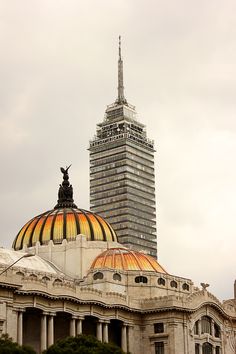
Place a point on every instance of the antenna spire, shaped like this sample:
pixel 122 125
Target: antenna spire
pixel 119 47
pixel 121 97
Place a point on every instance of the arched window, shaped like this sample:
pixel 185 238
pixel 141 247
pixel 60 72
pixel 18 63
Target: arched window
pixel 98 275
pixel 161 281
pixel 117 276
pixel 185 286
pixel 206 324
pixel 173 284
pixel 141 279
pixel 207 348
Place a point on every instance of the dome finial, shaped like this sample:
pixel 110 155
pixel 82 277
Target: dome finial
pixel 65 193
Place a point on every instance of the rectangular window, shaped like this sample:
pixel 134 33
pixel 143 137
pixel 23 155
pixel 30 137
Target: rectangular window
pixel 217 350
pixel 196 328
pixel 216 330
pixel 197 348
pixel 159 347
pixel 159 327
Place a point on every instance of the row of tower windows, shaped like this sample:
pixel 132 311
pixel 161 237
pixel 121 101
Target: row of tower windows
pixel 123 197
pixel 142 279
pixel 123 179
pixel 123 190
pixel 99 156
pixel 140 152
pixel 103 160
pixel 108 177
pixel 133 153
pixel 139 168
pixel 94 182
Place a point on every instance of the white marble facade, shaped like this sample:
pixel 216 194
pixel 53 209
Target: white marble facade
pixel 55 293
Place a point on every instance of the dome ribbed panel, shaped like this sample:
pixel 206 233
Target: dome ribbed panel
pixel 58 228
pixel 84 226
pixel 132 261
pixel 97 263
pixel 124 259
pixel 58 224
pixel 27 236
pixel 155 264
pixel 18 240
pixel 71 226
pixel 37 230
pixel 46 229
pixel 97 229
pixel 118 262
pixel 42 239
pixel 107 229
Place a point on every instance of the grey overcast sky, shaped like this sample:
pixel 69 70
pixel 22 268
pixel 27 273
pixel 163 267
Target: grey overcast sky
pixel 58 71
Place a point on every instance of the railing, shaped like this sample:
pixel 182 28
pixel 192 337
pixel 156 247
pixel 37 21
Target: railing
pixel 144 141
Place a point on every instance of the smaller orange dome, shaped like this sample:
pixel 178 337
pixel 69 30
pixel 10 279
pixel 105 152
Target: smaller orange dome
pixel 125 259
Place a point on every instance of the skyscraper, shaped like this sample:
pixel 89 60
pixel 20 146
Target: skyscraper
pixel 122 180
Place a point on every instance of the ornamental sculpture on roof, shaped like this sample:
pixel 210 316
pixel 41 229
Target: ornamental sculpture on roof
pixel 65 192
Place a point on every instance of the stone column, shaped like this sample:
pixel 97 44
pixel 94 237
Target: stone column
pixel 72 326
pixel 124 337
pixel 50 330
pixel 213 350
pixel 200 326
pixel 43 332
pixel 20 328
pixel 130 339
pixel 99 330
pixel 79 325
pixel 200 348
pixel 105 332
pixel 212 328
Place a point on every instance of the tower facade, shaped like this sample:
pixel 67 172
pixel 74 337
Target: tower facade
pixel 122 180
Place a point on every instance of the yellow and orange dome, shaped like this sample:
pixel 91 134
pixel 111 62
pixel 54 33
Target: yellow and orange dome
pixel 125 259
pixel 63 223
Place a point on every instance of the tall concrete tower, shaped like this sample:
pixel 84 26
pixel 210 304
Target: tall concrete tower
pixel 122 180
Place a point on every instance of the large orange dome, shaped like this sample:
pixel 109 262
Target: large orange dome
pixel 63 223
pixel 125 259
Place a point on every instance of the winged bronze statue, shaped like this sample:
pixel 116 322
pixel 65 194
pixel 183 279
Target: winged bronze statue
pixel 65 171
